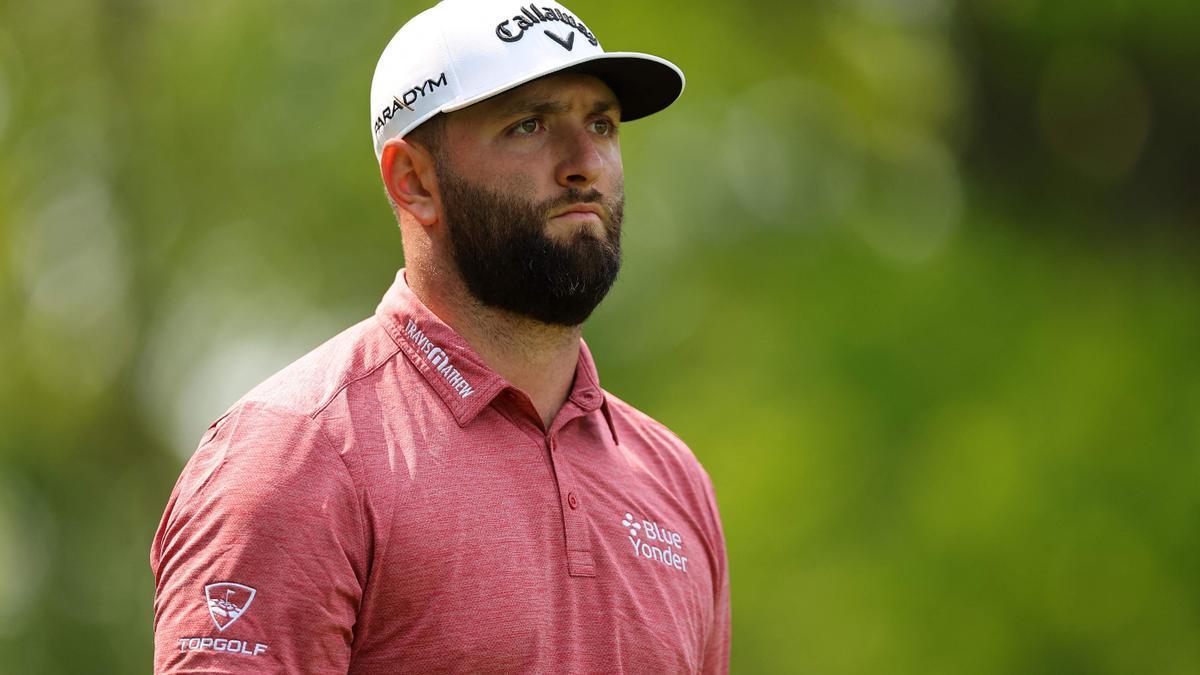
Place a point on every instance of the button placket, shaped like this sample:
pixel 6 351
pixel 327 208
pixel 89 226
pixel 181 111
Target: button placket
pixel 580 561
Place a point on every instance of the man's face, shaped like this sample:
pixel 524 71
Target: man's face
pixel 532 197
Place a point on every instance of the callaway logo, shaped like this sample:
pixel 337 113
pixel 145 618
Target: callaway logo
pixel 665 542
pixel 439 358
pixel 531 16
pixel 407 99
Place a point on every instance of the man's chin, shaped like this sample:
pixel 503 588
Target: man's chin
pixel 560 314
pixel 564 293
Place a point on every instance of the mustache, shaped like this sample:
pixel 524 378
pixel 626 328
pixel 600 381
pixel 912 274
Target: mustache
pixel 572 196
pixel 612 204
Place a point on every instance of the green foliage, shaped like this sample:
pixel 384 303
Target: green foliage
pixel 916 281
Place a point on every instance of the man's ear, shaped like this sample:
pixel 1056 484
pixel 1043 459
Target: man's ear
pixel 409 176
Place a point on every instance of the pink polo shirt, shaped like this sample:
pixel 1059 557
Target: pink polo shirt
pixel 389 504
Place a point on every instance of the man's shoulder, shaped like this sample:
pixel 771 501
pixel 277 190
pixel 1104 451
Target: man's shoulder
pixel 667 456
pixel 635 426
pixel 308 384
pixel 631 415
pixel 278 422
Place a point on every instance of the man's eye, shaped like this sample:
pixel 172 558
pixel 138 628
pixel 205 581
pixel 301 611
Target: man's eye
pixel 604 127
pixel 526 127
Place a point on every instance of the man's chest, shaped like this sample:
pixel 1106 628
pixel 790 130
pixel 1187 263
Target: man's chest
pixel 510 554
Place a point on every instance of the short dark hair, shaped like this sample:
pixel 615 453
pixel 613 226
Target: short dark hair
pixel 431 135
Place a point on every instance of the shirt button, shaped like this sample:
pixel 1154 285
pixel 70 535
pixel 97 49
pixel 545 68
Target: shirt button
pixel 572 501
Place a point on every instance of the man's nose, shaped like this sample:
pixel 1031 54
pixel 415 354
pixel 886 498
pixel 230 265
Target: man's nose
pixel 582 164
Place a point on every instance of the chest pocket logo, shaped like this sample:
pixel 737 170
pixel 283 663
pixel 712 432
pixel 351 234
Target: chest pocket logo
pixel 655 543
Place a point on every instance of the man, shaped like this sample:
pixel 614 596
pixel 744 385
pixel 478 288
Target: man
pixel 445 487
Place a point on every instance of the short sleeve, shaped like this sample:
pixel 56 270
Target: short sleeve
pixel 259 560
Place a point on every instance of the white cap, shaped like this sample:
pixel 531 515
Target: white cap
pixel 460 52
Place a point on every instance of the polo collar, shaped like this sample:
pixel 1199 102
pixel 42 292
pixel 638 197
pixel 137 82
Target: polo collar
pixel 586 392
pixel 455 371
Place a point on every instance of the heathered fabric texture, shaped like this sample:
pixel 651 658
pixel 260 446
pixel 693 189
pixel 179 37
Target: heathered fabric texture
pixel 397 507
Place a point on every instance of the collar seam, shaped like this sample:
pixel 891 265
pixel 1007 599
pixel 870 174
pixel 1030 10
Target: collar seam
pixel 370 371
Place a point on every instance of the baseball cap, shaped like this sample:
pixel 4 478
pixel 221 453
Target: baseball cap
pixel 460 52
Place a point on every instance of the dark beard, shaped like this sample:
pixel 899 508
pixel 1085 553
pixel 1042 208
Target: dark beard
pixel 508 262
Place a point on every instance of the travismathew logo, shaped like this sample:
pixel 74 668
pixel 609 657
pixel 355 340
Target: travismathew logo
pixel 532 15
pixel 655 542
pixel 406 100
pixel 439 358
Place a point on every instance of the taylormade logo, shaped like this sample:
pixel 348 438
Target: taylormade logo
pixel 406 100
pixel 439 359
pixel 655 542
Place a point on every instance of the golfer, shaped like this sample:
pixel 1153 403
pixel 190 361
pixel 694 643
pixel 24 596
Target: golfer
pixel 445 486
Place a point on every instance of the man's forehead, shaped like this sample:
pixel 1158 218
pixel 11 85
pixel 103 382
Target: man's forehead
pixel 558 92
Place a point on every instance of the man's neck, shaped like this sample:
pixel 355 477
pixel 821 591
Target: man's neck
pixel 537 358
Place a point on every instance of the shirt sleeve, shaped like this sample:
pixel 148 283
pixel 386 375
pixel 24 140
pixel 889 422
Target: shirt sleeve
pixel 259 560
pixel 716 651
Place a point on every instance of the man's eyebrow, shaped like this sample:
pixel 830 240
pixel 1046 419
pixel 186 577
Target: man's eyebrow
pixel 605 105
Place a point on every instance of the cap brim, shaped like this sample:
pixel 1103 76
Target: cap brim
pixel 644 84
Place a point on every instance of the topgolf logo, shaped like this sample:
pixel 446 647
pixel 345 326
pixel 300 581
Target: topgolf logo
pixel 227 602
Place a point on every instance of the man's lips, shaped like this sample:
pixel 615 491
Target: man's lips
pixel 581 210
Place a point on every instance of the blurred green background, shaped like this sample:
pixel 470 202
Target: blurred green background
pixel 916 279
